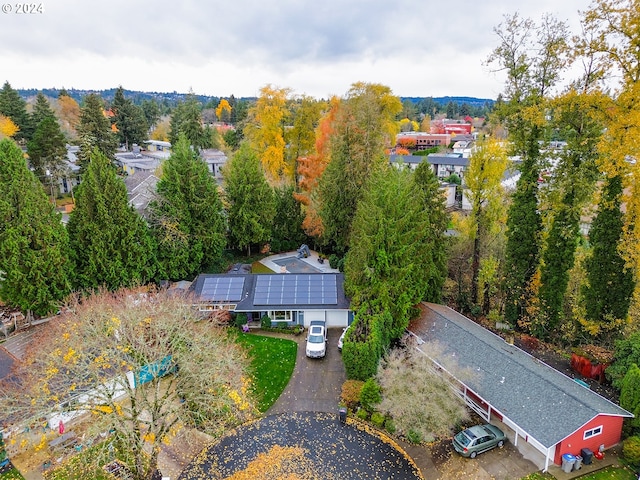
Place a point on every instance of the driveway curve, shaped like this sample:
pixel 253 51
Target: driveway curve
pixel 305 445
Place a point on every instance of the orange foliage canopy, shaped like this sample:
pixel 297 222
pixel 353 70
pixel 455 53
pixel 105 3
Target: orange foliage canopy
pixel 310 170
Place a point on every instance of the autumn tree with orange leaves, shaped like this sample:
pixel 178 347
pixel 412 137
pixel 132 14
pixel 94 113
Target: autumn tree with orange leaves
pixel 310 169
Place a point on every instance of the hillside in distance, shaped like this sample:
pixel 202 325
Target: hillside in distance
pixel 172 98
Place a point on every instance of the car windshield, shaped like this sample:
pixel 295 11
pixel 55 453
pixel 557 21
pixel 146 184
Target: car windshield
pixel 316 339
pixel 464 438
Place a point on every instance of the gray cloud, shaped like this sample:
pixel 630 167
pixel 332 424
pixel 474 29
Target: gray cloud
pixel 278 35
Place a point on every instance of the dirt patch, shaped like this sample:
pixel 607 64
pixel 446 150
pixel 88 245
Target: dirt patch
pixel 440 452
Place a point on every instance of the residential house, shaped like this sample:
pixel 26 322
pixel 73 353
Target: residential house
pixel 141 189
pixel 294 298
pixel 544 413
pixel 215 160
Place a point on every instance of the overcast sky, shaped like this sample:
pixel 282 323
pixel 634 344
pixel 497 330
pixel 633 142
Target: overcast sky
pixel 320 47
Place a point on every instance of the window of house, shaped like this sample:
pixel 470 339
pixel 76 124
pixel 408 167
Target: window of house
pixel 280 315
pixel 592 432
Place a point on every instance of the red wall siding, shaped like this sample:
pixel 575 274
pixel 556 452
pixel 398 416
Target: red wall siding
pixel 610 436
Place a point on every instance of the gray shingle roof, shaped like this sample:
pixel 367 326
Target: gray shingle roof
pixel 545 403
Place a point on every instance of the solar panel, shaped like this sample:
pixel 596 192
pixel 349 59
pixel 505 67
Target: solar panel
pixel 220 289
pixel 295 289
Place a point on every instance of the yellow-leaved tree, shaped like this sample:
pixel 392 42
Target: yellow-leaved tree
pixel 140 365
pixel 265 133
pixel 7 127
pixel 223 110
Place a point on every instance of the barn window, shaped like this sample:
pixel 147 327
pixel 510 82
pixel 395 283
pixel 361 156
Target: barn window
pixel 592 432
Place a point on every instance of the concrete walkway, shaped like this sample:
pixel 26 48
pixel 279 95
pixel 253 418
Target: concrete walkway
pixel 311 261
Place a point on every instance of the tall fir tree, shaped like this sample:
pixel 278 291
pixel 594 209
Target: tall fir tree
pixel 47 151
pixel 251 206
pixel 41 110
pixel 390 264
pixel 13 106
pixel 287 231
pixel 430 197
pixel 188 217
pixel 187 119
pixel 129 120
pixel 528 85
pixel 94 131
pixel 34 246
pixel 571 186
pixel 111 243
pixel 610 283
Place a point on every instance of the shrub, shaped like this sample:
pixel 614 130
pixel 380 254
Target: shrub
pixel 362 355
pixel 281 325
pixel 350 395
pixel 631 450
pixel 241 319
pixel 362 414
pixel 370 394
pixel 336 261
pixel 389 426
pixel 414 437
pixel 377 419
pixel 265 321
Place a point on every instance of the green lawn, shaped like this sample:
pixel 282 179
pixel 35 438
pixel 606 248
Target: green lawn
pixel 272 362
pixel 12 474
pixel 609 473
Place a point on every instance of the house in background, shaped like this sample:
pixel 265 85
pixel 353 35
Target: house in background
pixel 294 298
pixel 141 189
pixel 215 160
pixel 544 413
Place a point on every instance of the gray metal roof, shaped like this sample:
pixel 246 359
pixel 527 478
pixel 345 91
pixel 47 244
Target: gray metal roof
pixel 545 403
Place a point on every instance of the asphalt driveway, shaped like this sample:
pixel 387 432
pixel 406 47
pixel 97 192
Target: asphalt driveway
pixel 316 382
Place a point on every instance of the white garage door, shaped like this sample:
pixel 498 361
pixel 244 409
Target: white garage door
pixel 337 318
pixel 310 315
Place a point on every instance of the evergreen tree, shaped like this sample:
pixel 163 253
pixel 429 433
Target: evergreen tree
pixel 111 243
pixel 129 120
pixel 630 396
pixel 14 107
pixel 47 151
pixel 610 284
pixel 41 110
pixel 151 112
pixel 287 231
pixel 392 260
pixel 189 224
pixel 187 119
pixel 430 197
pixel 94 131
pixel 364 126
pixel 34 247
pixel 529 80
pixel 251 206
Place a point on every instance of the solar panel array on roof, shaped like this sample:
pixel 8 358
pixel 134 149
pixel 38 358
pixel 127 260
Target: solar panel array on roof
pixel 220 289
pixel 291 289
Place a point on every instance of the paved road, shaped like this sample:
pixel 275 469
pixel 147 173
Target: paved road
pixel 316 383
